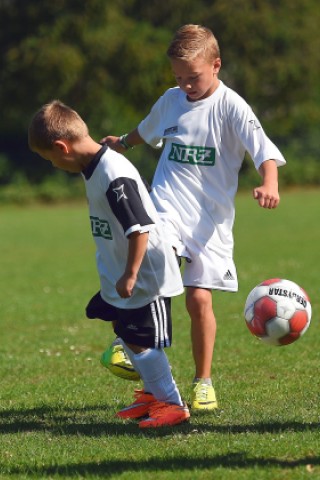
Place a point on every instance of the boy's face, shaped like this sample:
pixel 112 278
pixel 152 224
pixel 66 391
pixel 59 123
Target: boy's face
pixel 197 78
pixel 61 156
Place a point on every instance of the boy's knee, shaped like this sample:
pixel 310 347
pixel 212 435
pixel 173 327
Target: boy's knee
pixel 136 348
pixel 198 300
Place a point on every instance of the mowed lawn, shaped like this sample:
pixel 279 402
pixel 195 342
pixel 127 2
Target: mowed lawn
pixel 58 404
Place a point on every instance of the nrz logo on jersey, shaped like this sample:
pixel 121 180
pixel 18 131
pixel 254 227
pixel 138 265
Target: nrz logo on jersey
pixel 100 228
pixel 192 155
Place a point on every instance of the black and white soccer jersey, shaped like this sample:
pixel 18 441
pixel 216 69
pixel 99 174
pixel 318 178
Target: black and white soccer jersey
pixel 120 204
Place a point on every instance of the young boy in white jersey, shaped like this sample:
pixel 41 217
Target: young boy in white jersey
pixel 205 129
pixel 137 267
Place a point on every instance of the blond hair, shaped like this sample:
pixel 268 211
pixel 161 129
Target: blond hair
pixel 191 41
pixel 55 121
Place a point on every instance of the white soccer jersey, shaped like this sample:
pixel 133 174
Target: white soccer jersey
pixel 197 175
pixel 120 204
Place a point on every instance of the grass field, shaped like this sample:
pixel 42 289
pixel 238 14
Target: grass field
pixel 57 403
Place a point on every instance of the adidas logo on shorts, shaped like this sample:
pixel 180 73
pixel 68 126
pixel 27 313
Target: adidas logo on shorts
pixel 132 327
pixel 228 276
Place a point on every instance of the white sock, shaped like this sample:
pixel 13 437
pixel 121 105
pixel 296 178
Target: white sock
pixel 203 381
pixel 155 371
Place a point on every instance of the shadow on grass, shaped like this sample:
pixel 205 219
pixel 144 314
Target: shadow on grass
pixel 232 461
pixel 89 421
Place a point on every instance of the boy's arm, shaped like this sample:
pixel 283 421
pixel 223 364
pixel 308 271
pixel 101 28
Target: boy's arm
pixel 137 248
pixel 268 194
pixel 124 142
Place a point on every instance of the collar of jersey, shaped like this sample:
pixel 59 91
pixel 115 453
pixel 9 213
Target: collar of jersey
pixel 88 171
pixel 199 104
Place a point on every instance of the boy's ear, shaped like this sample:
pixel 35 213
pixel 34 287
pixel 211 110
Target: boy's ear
pixel 216 65
pixel 61 145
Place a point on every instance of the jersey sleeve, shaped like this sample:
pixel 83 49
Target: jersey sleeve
pixel 149 127
pixel 254 138
pixel 126 204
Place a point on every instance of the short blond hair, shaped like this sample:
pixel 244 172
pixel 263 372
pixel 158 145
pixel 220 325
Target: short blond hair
pixel 191 41
pixel 55 121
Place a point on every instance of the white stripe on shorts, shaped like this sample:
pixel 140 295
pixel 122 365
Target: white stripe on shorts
pixel 159 315
pixel 165 323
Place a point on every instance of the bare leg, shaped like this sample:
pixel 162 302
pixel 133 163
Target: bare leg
pixel 203 329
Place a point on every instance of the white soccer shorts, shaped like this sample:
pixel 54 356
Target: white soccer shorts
pixel 213 272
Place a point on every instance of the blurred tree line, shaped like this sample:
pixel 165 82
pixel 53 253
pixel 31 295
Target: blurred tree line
pixel 108 61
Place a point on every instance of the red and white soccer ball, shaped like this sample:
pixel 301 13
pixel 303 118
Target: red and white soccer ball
pixel 278 311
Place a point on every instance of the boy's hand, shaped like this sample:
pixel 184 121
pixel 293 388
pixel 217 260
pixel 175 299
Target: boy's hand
pixel 125 285
pixel 268 194
pixel 123 143
pixel 136 250
pixel 267 197
pixel 114 143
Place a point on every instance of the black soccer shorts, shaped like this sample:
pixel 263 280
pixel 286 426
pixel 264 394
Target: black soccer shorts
pixel 149 326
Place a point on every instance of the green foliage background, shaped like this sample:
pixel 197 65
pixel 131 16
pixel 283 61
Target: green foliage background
pixel 108 61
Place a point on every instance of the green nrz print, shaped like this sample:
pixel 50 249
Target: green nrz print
pixel 193 155
pixel 100 228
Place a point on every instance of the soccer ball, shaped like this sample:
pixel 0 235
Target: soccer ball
pixel 117 362
pixel 277 311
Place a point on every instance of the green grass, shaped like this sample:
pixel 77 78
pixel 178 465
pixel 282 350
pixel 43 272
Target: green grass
pixel 57 403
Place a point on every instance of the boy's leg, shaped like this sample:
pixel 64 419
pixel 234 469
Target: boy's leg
pixel 155 371
pixel 203 332
pixel 144 332
pixel 160 399
pixel 203 329
pixel 114 358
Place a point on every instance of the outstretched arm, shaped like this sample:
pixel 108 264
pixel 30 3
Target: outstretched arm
pixel 137 248
pixel 268 193
pixel 123 143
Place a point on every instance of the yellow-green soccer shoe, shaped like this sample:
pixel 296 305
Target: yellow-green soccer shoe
pixel 117 361
pixel 203 397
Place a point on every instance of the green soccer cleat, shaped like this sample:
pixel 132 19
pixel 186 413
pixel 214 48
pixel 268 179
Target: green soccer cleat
pixel 117 361
pixel 203 397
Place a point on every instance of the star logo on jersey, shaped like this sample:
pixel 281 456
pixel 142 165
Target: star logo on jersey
pixel 255 125
pixel 119 191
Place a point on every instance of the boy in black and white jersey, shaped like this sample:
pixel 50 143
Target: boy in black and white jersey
pixel 137 267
